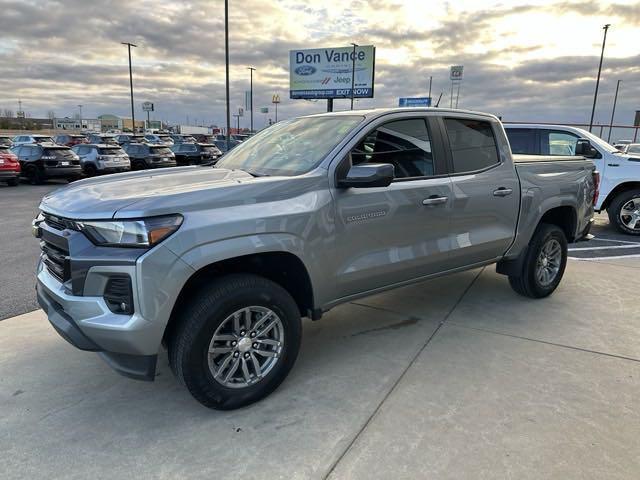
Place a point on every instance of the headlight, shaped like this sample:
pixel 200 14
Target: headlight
pixel 130 233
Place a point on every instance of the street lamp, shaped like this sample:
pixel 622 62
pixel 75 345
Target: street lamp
pixel 595 95
pixel 251 69
pixel 613 112
pixel 80 107
pixel 226 66
pixel 353 72
pixel 133 115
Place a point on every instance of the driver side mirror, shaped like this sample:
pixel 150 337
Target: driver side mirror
pixel 368 175
pixel 585 149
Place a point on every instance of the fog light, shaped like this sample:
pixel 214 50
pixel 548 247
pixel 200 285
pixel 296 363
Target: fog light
pixel 118 294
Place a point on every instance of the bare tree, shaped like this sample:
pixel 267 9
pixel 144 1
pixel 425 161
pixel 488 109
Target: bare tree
pixel 7 113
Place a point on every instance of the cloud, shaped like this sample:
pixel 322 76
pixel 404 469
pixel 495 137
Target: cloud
pixel 55 55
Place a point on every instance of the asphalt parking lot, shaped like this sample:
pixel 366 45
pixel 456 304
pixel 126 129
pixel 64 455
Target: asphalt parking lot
pixel 452 378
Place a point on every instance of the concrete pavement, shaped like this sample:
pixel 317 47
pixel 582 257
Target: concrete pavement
pixel 452 378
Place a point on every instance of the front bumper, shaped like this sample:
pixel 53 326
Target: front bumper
pixel 77 310
pixel 9 174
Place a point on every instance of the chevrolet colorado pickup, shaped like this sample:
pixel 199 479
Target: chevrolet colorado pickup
pixel 219 264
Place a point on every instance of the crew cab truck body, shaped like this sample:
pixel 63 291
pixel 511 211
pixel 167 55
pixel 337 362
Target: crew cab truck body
pixel 219 264
pixel 619 172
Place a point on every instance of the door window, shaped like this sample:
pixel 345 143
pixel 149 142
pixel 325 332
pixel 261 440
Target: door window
pixel 473 145
pixel 522 140
pixel 405 144
pixel 555 142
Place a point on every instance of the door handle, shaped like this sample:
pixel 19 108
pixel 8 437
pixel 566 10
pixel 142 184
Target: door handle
pixel 613 164
pixel 434 200
pixel 502 192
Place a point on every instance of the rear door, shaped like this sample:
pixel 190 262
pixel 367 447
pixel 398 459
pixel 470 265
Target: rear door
pixel 386 235
pixel 485 190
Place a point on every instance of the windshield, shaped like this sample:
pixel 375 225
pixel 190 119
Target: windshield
pixel 43 139
pixel 291 147
pixel 111 151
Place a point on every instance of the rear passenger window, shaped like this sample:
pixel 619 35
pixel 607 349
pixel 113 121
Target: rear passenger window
pixel 405 144
pixel 560 143
pixel 473 146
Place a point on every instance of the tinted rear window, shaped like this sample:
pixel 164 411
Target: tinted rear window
pixel 58 152
pixel 160 150
pixel 473 146
pixel 522 140
pixel 110 151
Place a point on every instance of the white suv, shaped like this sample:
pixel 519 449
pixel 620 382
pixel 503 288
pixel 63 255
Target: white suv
pixel 619 172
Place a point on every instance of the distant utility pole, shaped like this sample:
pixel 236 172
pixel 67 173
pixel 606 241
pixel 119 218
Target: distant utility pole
pixel 613 112
pixel 80 108
pixel 430 82
pixel 595 95
pixel 276 100
pixel 133 115
pixel 251 69
pixel 353 72
pixel 226 66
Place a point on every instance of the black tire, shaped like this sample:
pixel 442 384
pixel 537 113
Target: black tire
pixel 34 175
pixel 13 182
pixel 526 282
pixel 90 170
pixel 138 165
pixel 206 311
pixel 614 209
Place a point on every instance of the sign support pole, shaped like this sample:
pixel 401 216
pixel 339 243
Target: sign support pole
pixel 329 104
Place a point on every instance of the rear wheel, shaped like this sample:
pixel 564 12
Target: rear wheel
pixel 138 165
pixel 34 175
pixel 90 170
pixel 624 212
pixel 544 263
pixel 236 341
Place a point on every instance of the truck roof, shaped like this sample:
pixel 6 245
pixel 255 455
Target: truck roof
pixel 378 112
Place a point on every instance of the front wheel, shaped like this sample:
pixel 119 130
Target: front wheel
pixel 544 263
pixel 236 341
pixel 624 212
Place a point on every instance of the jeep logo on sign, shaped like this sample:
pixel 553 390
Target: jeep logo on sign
pixel 305 70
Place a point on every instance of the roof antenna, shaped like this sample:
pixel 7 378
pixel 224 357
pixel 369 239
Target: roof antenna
pixel 438 102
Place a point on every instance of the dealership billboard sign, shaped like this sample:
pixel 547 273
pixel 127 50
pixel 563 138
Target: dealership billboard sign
pixel 456 72
pixel 327 72
pixel 414 102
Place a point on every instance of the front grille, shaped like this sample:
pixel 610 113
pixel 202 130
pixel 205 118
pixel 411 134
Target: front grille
pixel 56 260
pixel 57 222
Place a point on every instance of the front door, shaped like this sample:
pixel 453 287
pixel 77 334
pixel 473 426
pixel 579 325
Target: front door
pixel 387 235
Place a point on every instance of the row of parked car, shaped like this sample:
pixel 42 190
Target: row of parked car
pixel 71 156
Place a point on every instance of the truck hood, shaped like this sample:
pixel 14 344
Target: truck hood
pixel 103 197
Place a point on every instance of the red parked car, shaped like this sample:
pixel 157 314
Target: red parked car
pixel 70 139
pixel 9 166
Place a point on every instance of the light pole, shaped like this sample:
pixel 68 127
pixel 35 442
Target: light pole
pixel 226 66
pixel 353 72
pixel 595 95
pixel 251 69
pixel 80 107
pixel 613 112
pixel 276 100
pixel 133 115
pixel 430 81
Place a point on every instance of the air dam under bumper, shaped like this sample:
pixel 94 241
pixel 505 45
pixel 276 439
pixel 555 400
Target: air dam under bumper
pixel 88 324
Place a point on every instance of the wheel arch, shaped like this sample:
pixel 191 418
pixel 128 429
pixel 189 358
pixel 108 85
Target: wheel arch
pixel 620 188
pixel 564 217
pixel 284 268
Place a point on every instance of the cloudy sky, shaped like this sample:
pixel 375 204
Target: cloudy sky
pixel 524 60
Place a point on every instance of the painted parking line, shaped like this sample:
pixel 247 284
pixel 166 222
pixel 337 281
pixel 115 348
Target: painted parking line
pixel 613 257
pixel 601 239
pixel 609 247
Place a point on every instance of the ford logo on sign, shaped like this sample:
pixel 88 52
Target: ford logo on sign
pixel 305 70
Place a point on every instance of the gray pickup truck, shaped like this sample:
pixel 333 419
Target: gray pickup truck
pixel 219 264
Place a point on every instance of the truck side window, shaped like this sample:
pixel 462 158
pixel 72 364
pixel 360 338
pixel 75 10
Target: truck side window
pixel 555 142
pixel 522 140
pixel 473 145
pixel 405 144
